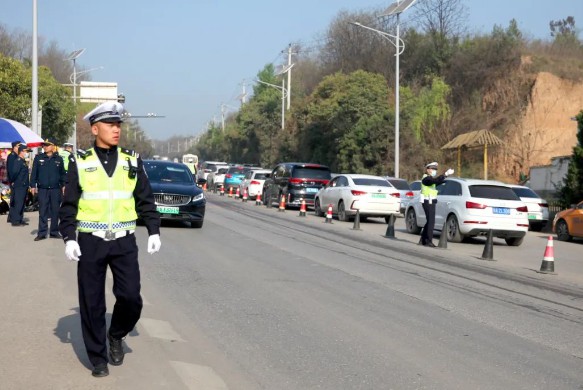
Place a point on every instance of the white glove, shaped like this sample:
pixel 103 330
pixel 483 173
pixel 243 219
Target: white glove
pixel 72 250
pixel 154 243
pixel 449 172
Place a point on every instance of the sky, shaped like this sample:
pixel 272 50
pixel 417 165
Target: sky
pixel 182 59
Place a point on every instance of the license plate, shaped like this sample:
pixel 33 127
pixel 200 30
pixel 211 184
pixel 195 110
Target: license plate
pixel 533 216
pixel 379 196
pixel 501 210
pixel 311 190
pixel 167 210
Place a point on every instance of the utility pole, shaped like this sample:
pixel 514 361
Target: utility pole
pixel 223 117
pixel 289 55
pixel 243 96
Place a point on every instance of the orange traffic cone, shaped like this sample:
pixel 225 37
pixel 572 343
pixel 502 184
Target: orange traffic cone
pixel 204 187
pixel 237 193
pixel 282 204
pixel 258 199
pixel 303 208
pixel 329 214
pixel 222 191
pixel 245 197
pixel 230 192
pixel 548 264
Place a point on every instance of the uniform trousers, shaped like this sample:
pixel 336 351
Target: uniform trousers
pixel 429 209
pixel 49 201
pixel 121 256
pixel 16 213
pixel 11 201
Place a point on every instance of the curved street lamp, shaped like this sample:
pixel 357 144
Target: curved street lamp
pixel 283 96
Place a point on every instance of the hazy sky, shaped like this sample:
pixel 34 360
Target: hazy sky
pixel 183 58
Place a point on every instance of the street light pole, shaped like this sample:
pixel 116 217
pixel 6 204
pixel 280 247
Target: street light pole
pixel 34 113
pixel 73 57
pixel 283 95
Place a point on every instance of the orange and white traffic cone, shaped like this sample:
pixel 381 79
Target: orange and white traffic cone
pixel 204 187
pixel 245 197
pixel 222 191
pixel 230 192
pixel 329 214
pixel 237 193
pixel 303 208
pixel 258 201
pixel 282 204
pixel 548 264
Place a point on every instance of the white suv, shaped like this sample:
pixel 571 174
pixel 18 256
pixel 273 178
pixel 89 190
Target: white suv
pixel 469 208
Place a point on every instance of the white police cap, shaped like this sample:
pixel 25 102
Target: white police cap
pixel 110 112
pixel 432 165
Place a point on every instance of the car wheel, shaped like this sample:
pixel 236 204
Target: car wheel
pixel 562 231
pixel 411 222
pixel 453 229
pixel 342 216
pixel 196 224
pixel 318 208
pixel 514 241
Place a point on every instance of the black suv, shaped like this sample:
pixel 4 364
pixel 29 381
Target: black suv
pixel 295 181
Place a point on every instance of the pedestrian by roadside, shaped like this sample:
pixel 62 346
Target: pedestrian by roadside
pixel 106 191
pixel 66 153
pixel 428 198
pixel 9 172
pixel 47 181
pixel 20 182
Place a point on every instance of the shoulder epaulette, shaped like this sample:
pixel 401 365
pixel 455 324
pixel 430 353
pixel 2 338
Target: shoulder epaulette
pixel 84 154
pixel 129 152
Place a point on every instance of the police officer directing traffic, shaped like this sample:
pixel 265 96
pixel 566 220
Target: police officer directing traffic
pixel 19 182
pixel 48 180
pixel 428 197
pixel 107 189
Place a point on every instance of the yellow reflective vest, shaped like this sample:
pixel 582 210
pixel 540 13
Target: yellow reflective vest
pixel 107 203
pixel 65 154
pixel 428 192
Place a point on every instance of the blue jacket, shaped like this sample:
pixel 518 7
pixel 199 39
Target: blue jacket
pixel 48 172
pixel 20 173
pixel 9 163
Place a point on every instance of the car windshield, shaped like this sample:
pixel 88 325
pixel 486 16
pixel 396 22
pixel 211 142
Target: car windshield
pixel 525 192
pixel 168 173
pixel 399 184
pixel 237 170
pixel 312 173
pixel 260 176
pixel 371 182
pixel 492 192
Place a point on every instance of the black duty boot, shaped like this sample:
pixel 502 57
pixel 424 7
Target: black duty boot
pixel 116 352
pixel 100 370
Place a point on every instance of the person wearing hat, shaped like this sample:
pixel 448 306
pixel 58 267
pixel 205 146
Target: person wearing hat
pixel 428 197
pixel 66 153
pixel 19 182
pixel 47 181
pixel 106 191
pixel 9 160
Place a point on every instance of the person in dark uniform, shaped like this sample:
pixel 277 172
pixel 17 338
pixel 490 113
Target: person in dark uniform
pixel 19 182
pixel 9 160
pixel 48 180
pixel 428 197
pixel 106 190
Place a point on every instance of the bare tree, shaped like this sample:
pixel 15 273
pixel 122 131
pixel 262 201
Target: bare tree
pixel 441 18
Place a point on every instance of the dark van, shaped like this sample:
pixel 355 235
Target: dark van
pixel 295 181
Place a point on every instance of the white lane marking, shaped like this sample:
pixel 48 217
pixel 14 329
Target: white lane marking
pixel 160 329
pixel 197 377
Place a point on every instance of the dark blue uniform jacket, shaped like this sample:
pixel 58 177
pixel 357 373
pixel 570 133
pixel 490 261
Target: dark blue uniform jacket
pixel 48 172
pixel 20 173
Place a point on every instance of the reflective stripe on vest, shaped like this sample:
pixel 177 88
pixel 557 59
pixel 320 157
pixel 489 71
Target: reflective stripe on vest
pixel 106 203
pixel 428 192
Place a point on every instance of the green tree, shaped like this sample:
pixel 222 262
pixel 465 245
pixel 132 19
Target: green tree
pixel 572 188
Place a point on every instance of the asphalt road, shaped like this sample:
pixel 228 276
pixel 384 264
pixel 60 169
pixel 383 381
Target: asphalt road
pixel 259 299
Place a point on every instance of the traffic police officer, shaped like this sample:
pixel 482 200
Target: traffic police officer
pixel 106 190
pixel 48 180
pixel 66 152
pixel 19 182
pixel 9 160
pixel 428 197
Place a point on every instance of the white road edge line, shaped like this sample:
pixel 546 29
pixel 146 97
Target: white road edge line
pixel 160 329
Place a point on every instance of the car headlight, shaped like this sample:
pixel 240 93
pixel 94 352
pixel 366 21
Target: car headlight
pixel 198 197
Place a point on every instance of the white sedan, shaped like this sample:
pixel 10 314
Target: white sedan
pixel 373 196
pixel 253 182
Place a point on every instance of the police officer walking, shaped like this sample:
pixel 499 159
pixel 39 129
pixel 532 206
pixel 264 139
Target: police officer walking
pixel 19 181
pixel 66 152
pixel 106 190
pixel 428 197
pixel 48 180
pixel 9 161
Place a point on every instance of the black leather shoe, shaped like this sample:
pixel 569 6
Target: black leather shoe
pixel 38 238
pixel 56 236
pixel 100 370
pixel 430 244
pixel 116 352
